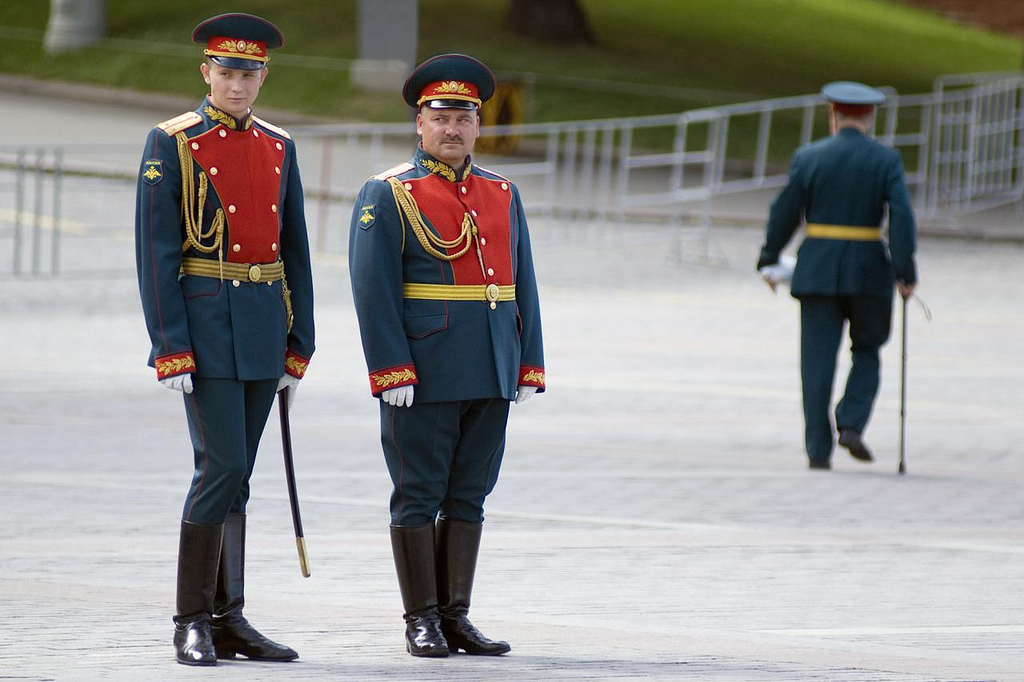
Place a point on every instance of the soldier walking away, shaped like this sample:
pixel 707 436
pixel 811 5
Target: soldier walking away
pixel 445 293
pixel 224 274
pixel 842 187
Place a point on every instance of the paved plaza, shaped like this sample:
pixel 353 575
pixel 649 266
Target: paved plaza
pixel 654 518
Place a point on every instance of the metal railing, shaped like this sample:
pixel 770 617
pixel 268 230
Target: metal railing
pixel 962 144
pixel 36 177
pixel 977 145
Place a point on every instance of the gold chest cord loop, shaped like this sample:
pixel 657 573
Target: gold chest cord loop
pixel 427 239
pixel 192 215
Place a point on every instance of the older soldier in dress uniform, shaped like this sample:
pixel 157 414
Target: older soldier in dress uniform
pixel 224 273
pixel 446 297
pixel 842 187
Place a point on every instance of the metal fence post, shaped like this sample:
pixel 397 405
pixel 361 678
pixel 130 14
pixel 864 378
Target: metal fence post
pixel 325 191
pixel 37 223
pixel 19 210
pixel 58 176
pixel 625 150
pixel 764 130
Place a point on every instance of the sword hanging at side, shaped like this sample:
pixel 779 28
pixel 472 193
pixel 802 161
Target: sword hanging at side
pixel 289 473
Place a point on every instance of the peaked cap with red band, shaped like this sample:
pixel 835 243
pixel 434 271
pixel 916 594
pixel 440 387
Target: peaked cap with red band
pixel 852 99
pixel 238 41
pixel 449 81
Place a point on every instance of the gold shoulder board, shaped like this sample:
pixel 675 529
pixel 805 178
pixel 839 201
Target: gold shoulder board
pixel 273 128
pixel 175 125
pixel 391 172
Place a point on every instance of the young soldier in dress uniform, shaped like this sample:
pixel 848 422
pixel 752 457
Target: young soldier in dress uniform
pixel 842 186
pixel 224 273
pixel 445 292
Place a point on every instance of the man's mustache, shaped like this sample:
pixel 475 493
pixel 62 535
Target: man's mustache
pixel 453 138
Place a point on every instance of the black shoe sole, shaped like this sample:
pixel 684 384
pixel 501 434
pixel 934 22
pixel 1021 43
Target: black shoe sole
pixel 263 659
pixel 481 653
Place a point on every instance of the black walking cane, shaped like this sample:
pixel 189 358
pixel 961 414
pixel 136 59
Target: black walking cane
pixel 289 473
pixel 903 396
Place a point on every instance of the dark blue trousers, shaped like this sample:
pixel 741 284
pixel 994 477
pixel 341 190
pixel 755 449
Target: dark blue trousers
pixel 225 419
pixel 443 458
pixel 821 329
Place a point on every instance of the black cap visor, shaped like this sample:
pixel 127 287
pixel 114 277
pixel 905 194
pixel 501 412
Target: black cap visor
pixel 236 63
pixel 450 104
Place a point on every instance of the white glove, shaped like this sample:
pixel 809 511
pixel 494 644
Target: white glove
pixel 292 384
pixel 400 397
pixel 179 382
pixel 780 273
pixel 525 393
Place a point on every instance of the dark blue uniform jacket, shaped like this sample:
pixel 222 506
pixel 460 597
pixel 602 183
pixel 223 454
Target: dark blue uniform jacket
pixel 449 349
pixel 848 179
pixel 235 328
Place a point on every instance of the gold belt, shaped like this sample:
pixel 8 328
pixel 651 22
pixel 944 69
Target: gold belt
pixel 460 292
pixel 247 272
pixel 847 232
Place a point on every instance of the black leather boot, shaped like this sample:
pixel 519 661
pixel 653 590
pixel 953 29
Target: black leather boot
pixel 413 547
pixel 198 554
pixel 232 633
pixel 458 544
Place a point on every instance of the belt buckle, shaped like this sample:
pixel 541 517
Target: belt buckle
pixel 492 292
pixel 255 273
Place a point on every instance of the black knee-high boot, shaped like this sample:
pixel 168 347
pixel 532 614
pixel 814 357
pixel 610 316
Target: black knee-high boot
pixel 458 544
pixel 232 633
pixel 198 555
pixel 413 547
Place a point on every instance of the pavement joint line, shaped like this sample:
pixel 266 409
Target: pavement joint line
pixel 908 630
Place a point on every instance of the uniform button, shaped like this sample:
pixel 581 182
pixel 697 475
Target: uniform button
pixel 490 272
pixel 464 190
pixel 255 133
pixel 273 247
pixel 273 207
pixel 483 241
pixel 408 186
pixel 279 146
pixel 236 248
pixel 504 185
pixel 195 145
pixel 213 170
pixel 270 284
pixel 231 208
pixel 493 305
pixel 474 213
pixel 237 283
pixel 277 170
pixel 223 133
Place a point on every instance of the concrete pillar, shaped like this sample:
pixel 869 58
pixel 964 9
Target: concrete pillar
pixel 74 24
pixel 388 35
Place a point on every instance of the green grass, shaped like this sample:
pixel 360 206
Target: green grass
pixel 742 49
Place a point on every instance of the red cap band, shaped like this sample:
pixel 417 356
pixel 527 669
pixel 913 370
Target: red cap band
pixel 450 89
pixel 854 110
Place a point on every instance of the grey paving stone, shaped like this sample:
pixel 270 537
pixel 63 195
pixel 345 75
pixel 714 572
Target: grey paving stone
pixel 654 519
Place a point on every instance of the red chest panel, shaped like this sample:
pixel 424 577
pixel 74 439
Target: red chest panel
pixel 244 168
pixel 445 204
